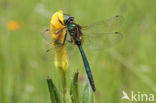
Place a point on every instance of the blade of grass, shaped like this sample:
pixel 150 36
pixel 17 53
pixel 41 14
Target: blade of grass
pixel 54 97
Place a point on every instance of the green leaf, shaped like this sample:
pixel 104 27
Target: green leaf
pixel 54 96
pixel 87 93
pixel 74 89
pixel 92 98
pixel 68 97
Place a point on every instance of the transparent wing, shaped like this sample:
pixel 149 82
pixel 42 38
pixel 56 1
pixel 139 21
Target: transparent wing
pixel 100 35
pixel 104 25
pixel 47 36
pixel 49 53
pixel 73 53
pixel 99 41
pixel 71 49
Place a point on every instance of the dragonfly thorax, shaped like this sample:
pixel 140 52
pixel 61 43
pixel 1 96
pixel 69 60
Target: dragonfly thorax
pixel 75 32
pixel 71 29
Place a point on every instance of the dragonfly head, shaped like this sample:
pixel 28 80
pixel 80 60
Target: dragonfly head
pixel 68 19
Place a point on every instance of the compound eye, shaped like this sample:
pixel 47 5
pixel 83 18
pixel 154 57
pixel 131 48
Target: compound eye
pixel 72 19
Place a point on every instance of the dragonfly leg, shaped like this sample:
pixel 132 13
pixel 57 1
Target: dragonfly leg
pixel 60 21
pixel 65 37
pixel 57 32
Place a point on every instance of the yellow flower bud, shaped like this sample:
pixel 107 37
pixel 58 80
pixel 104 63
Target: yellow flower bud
pixel 61 60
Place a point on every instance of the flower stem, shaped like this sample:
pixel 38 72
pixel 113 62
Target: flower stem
pixel 63 80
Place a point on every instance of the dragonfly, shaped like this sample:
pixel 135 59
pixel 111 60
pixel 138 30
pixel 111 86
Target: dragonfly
pixel 91 37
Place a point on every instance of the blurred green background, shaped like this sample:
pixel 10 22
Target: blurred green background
pixel 128 66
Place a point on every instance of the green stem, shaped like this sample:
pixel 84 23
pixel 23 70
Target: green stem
pixel 63 80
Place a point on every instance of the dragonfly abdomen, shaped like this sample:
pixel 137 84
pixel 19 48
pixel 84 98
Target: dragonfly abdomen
pixel 87 67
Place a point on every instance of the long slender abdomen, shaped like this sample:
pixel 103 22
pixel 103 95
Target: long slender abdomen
pixel 87 67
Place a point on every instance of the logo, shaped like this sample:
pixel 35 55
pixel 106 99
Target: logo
pixel 138 96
